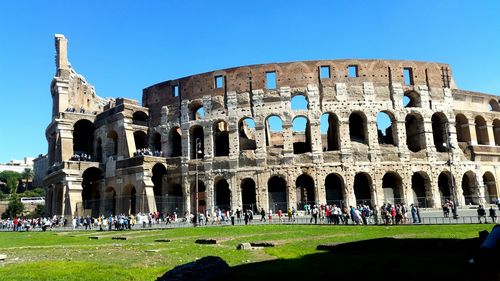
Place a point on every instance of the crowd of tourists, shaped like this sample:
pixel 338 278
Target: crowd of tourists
pixel 27 224
pixel 81 157
pixel 148 152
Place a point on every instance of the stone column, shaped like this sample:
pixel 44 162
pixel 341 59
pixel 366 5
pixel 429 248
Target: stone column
pixel 473 135
pixel 491 134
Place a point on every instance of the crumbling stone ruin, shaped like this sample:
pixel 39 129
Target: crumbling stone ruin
pixel 231 139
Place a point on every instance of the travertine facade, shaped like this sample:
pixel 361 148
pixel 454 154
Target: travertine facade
pixel 245 160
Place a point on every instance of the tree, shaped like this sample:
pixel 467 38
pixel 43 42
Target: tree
pixel 27 175
pixel 15 207
pixel 11 180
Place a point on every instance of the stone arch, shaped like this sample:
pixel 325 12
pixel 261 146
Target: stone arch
pixel 246 133
pixel 249 194
pixel 159 171
pixel 330 136
pixel 277 194
pixel 130 200
pixel 335 189
pixel 415 132
pixel 496 131
pixel 83 137
pixel 196 135
pixel 175 142
pixel 362 188
pixel 305 191
pixel 358 130
pixel 470 188
pixel 222 194
pixel 490 187
pixel 462 128
pixel 221 138
pixel 91 197
pixel 196 110
pixel 481 130
pixel 493 105
pixel 440 131
pixel 112 147
pixel 301 135
pixel 387 128
pixel 392 186
pixel 421 189
pixel 445 186
pixel 140 118
pixel 110 201
pixel 140 140
pixel 274 131
pixel 299 101
pixel 412 99
pixel 156 143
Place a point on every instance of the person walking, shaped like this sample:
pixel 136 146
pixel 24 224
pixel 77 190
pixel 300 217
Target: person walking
pixel 413 213
pixel 262 215
pixel 481 213
pixel 493 215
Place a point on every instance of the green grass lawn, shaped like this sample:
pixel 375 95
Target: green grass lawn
pixel 73 256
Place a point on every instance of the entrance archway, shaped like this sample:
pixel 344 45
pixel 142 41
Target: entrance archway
pixel 334 187
pixel 490 188
pixel 278 199
pixel 248 194
pixel 305 191
pixel 392 185
pixel 420 185
pixel 91 197
pixel 362 189
pixel 222 195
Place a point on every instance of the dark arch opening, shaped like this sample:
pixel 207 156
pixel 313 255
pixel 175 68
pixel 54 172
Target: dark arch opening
pixel 420 186
pixel 222 195
pixel 140 118
pixel 202 205
pixel 496 131
pixel 112 148
pixel 305 191
pixel 412 99
pixel 444 185
pixel 415 132
pixel 490 188
pixel 470 189
pixel 130 200
pixel 493 105
pixel 481 131
pixel 110 202
pixel 357 127
pixel 440 131
pixel 334 187
pixel 386 128
pixel 392 185
pixel 98 150
pixel 246 132
pixel 91 196
pixel 156 143
pixel 159 171
pixel 175 142
pixel 362 189
pixel 196 135
pixel 83 137
pixel 301 135
pixel 462 128
pixel 221 138
pixel 197 111
pixel 278 200
pixel 141 140
pixel 330 137
pixel 248 194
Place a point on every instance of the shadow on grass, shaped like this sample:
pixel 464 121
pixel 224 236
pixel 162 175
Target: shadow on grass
pixel 377 259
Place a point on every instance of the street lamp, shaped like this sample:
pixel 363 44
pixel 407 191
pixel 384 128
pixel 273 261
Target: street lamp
pixel 198 151
pixel 452 180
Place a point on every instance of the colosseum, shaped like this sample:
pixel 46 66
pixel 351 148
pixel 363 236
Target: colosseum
pixel 272 136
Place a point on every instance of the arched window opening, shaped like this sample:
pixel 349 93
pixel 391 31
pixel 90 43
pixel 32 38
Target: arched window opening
pixel 412 99
pixel 334 187
pixel 156 144
pixel 278 199
pixel 299 102
pixel 490 188
pixel 274 132
pixel 110 202
pixel 197 111
pixel 392 185
pixel 201 196
pixel 175 141
pixel 415 132
pixel 330 137
pixel 481 131
pixel 301 135
pixel 112 146
pixel 440 131
pixel 197 142
pixel 496 131
pixel 141 140
pixel 470 188
pixel 462 128
pixel 222 195
pixel 386 129
pixel 357 128
pixel 91 197
pixel 221 138
pixel 305 191
pixel 362 189
pixel 140 118
pixel 422 194
pixel 493 105
pixel 248 194
pixel 246 132
pixel 83 139
pixel 159 171
pixel 444 185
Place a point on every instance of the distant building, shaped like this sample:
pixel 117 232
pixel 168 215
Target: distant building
pixel 40 168
pixel 17 165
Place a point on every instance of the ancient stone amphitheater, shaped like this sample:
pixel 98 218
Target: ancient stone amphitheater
pixel 272 136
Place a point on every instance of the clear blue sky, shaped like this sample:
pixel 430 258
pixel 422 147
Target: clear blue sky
pixel 122 47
